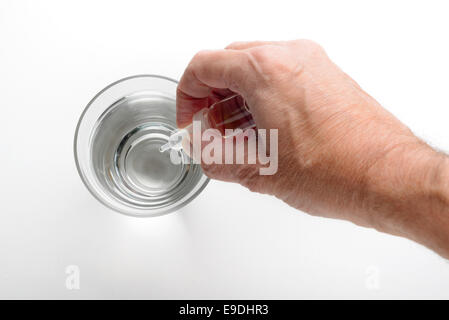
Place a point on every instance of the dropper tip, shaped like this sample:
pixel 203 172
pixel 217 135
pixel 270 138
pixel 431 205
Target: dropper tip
pixel 164 147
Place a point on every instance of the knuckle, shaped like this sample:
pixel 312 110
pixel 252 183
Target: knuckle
pixel 263 53
pixel 309 47
pixel 234 44
pixel 200 56
pixel 306 42
pixel 271 60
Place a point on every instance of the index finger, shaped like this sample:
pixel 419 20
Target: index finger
pixel 209 70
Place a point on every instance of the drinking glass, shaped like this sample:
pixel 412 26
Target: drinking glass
pixel 117 144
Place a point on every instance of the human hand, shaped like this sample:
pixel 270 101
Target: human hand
pixel 341 154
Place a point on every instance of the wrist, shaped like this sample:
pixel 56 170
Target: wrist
pixel 408 196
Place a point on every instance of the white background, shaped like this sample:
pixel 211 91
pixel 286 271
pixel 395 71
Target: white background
pixel 228 243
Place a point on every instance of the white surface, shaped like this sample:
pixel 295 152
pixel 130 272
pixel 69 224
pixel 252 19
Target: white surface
pixel 56 55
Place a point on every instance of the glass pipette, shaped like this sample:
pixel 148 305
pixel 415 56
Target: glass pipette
pixel 229 113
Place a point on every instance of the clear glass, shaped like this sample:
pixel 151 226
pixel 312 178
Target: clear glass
pixel 117 144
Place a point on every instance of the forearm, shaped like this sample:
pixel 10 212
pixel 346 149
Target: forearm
pixel 408 195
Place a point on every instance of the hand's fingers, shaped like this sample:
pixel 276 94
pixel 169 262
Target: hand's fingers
pixel 187 106
pixel 242 45
pixel 209 70
pixel 220 94
pixel 237 160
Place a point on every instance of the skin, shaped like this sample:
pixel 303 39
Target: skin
pixel 341 155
